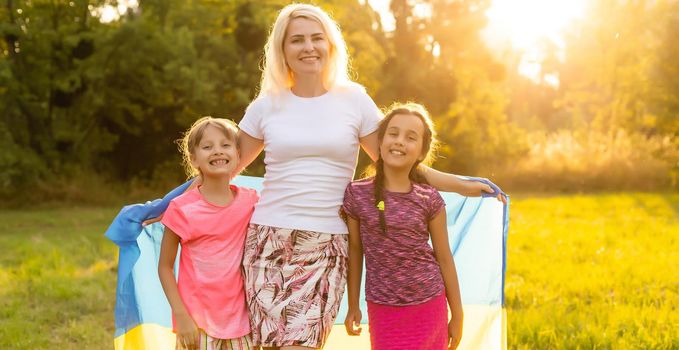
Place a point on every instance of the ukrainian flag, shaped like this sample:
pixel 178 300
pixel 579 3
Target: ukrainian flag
pixel 477 229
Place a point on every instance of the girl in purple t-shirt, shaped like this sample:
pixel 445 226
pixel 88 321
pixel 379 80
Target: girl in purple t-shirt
pixel 391 217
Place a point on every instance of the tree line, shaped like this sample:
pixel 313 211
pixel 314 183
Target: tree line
pixel 82 96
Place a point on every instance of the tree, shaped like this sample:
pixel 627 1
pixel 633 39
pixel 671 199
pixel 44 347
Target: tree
pixel 471 95
pixel 605 79
pixel 665 75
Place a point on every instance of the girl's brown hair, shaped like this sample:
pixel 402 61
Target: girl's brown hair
pixel 194 135
pixel 429 145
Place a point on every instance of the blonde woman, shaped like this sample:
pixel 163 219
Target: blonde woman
pixel 309 119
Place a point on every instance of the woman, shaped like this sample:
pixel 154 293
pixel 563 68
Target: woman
pixel 309 118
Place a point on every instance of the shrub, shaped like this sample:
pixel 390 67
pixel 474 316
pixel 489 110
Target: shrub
pixel 591 160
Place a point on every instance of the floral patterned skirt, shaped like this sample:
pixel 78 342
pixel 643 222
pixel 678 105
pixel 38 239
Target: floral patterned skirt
pixel 294 281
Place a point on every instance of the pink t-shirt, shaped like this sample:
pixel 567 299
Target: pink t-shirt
pixel 212 240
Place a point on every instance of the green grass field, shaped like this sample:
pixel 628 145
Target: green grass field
pixel 594 272
pixel 589 271
pixel 57 279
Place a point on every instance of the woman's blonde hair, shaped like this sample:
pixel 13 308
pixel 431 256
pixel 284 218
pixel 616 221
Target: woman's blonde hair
pixel 276 75
pixel 192 137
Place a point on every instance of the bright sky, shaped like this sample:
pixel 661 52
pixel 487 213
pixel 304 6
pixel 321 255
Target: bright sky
pixel 524 22
pixel 517 24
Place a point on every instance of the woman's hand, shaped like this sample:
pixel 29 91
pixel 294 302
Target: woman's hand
pixel 353 322
pixel 454 332
pixel 187 332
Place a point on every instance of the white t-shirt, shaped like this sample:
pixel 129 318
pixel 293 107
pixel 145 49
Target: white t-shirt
pixel 311 149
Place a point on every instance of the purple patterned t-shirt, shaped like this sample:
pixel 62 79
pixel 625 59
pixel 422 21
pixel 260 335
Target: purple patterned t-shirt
pixel 401 267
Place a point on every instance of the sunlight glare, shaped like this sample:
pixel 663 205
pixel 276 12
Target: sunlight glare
pixel 109 13
pixel 525 22
pixel 436 50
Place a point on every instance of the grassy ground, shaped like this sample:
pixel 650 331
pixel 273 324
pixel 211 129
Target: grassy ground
pixel 594 271
pixel 57 279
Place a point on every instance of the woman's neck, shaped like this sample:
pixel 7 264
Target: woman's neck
pixel 216 190
pixel 396 180
pixel 308 86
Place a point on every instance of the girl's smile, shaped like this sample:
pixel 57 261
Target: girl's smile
pixel 401 145
pixel 216 154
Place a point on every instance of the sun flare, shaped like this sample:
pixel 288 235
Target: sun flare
pixel 525 22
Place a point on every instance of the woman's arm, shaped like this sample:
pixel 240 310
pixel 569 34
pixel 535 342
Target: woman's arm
pixel 441 181
pixel 439 239
pixel 353 320
pixel 187 331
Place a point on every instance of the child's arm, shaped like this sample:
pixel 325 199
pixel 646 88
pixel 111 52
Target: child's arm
pixel 451 183
pixel 353 320
pixel 439 240
pixel 187 331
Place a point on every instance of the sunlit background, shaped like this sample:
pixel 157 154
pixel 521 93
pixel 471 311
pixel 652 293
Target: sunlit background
pixel 515 25
pixel 572 107
pixel 518 88
pixel 512 24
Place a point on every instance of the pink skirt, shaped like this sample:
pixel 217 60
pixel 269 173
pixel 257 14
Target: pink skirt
pixel 413 327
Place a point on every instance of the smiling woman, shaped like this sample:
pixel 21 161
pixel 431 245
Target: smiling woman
pixel 305 48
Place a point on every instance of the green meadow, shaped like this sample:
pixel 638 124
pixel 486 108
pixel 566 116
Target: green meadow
pixel 584 271
pixel 594 272
pixel 57 279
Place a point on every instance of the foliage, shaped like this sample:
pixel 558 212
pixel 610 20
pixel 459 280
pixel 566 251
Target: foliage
pixel 616 91
pixel 79 96
pixel 442 62
pixel 577 161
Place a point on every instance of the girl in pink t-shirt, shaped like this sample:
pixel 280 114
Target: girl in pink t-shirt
pixel 409 285
pixel 207 299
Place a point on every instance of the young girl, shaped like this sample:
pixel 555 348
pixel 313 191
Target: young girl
pixel 208 300
pixel 391 217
